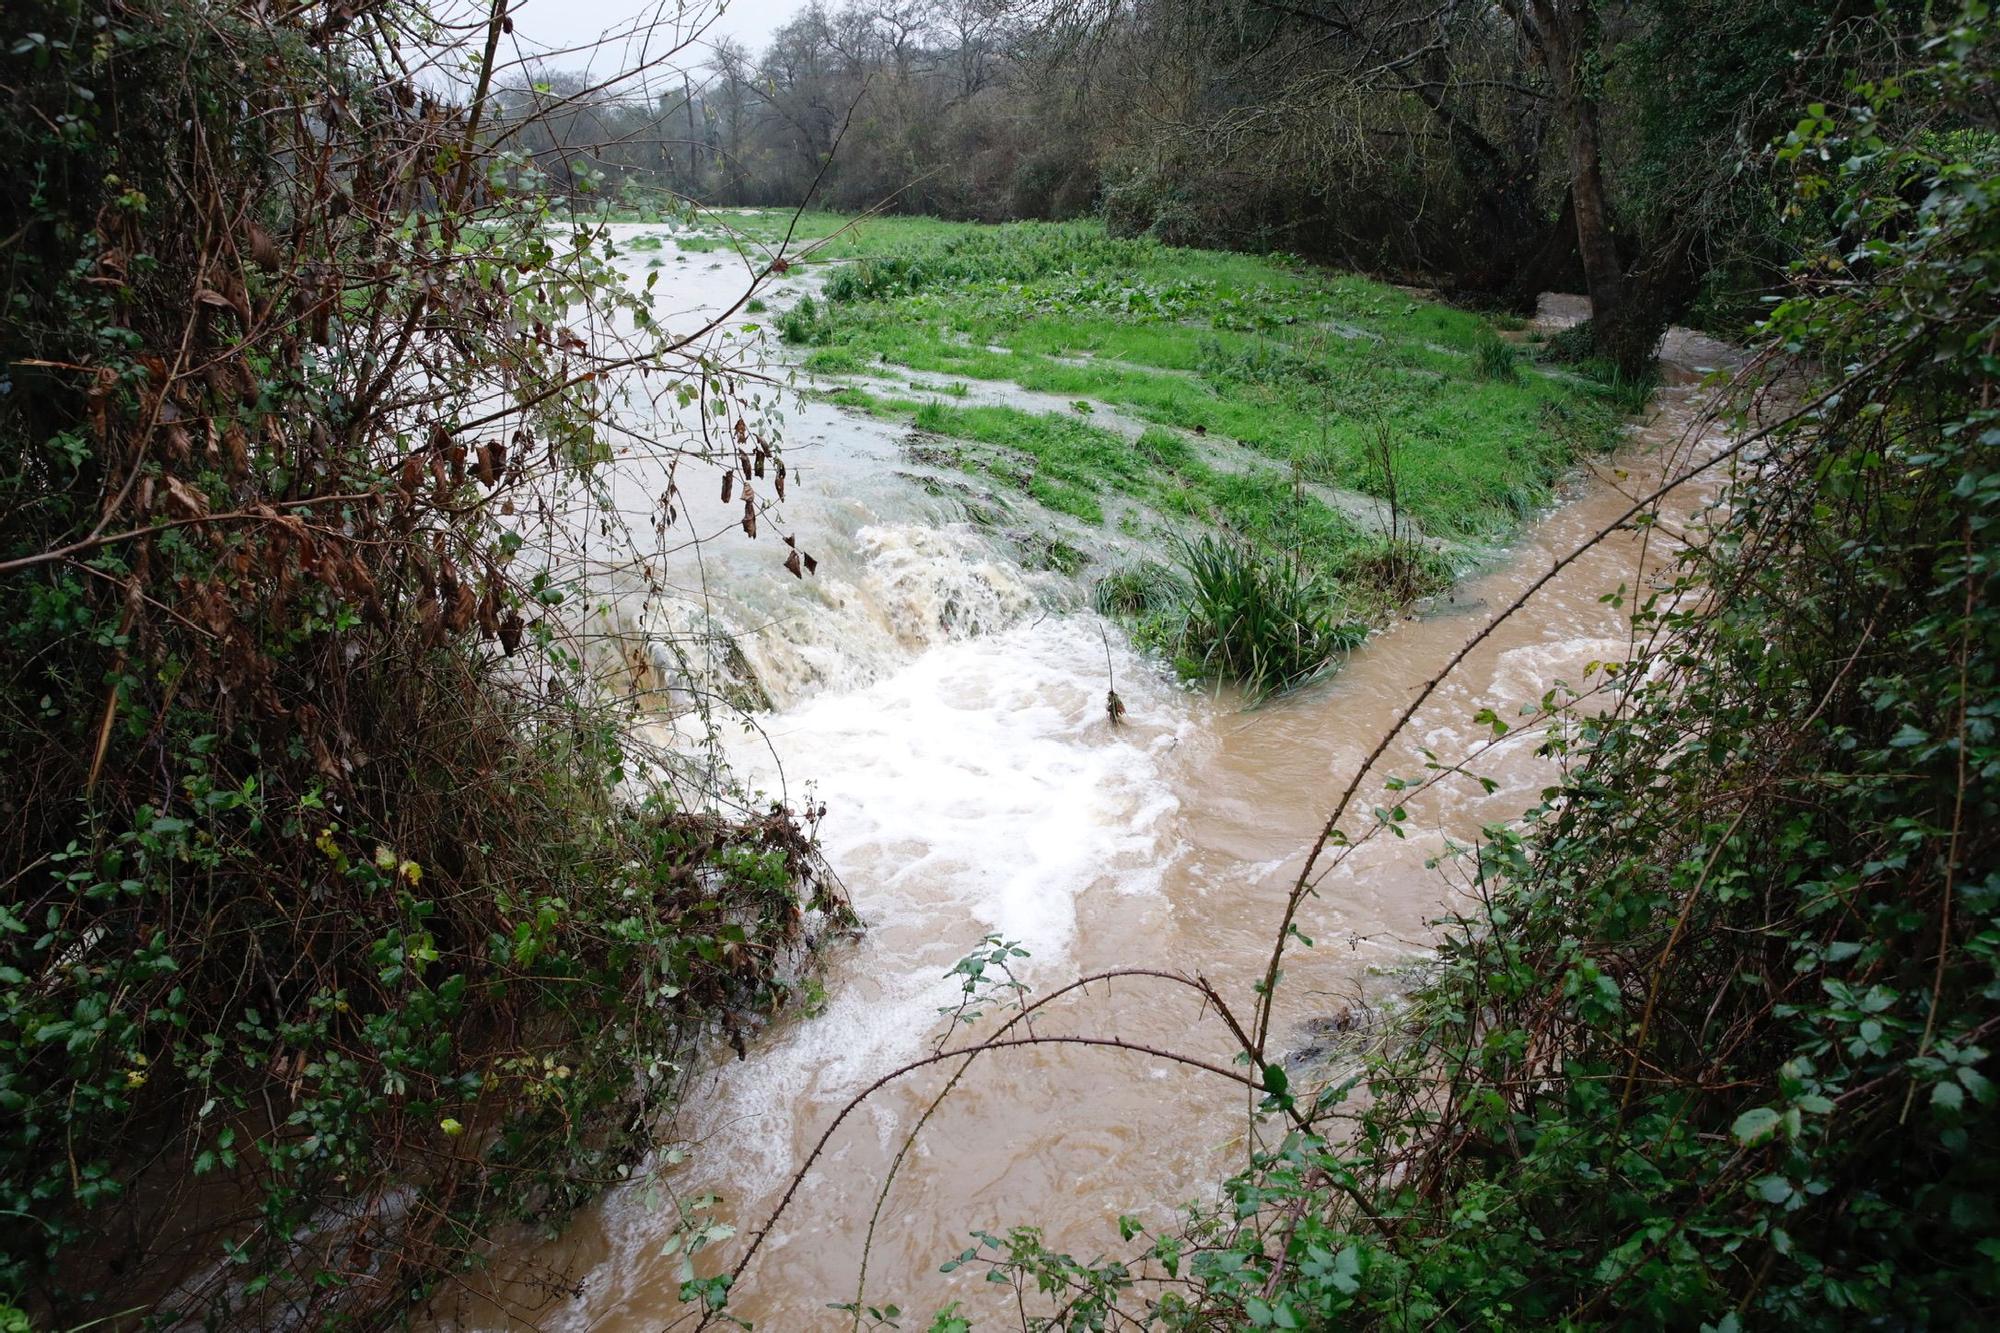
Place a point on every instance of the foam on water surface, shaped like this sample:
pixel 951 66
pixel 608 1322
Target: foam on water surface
pixel 977 789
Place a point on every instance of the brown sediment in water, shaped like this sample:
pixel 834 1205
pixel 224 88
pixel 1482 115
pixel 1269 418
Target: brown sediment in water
pixel 1068 1139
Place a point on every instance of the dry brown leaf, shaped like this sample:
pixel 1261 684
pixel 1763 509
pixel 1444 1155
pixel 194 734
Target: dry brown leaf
pixel 185 500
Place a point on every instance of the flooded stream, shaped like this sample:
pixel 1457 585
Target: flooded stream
pixel 947 706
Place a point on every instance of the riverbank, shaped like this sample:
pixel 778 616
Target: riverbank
pixel 974 786
pixel 1116 395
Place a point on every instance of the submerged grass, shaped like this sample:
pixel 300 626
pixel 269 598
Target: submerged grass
pixel 1297 365
pixel 1263 390
pixel 1072 467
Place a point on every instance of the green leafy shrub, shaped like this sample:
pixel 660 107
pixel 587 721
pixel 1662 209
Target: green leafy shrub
pixel 1572 346
pixel 802 325
pixel 332 887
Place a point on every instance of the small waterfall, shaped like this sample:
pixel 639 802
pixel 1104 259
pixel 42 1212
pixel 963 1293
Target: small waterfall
pixel 769 641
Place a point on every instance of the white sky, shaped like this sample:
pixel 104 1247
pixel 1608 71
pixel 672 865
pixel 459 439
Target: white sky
pixel 547 24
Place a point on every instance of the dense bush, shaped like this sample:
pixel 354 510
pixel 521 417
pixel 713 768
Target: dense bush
pixel 336 918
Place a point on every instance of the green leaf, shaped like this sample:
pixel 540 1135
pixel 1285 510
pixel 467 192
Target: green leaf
pixel 1755 1126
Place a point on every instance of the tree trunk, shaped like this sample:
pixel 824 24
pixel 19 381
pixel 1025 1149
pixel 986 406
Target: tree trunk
pixel 1558 30
pixel 1603 271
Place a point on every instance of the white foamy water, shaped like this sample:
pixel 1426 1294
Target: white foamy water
pixel 907 588
pixel 979 790
pixel 950 716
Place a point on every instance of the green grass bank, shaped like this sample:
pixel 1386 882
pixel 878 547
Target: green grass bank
pixel 1143 395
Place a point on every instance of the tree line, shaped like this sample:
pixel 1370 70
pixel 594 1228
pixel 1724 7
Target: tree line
pixel 1492 150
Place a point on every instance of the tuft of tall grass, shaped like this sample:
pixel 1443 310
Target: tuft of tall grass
pixel 1140 589
pixel 1255 620
pixel 1494 357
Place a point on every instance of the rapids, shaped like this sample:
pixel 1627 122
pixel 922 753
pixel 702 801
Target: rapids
pixel 947 707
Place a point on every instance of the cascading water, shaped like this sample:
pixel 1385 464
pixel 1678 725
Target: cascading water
pixel 949 711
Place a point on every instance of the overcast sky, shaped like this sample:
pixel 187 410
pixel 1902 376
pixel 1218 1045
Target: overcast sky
pixel 555 24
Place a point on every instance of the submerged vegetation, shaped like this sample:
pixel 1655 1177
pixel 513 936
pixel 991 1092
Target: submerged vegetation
pixel 1167 393
pixel 1295 366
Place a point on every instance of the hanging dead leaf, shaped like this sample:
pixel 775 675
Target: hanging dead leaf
pixel 792 564
pixel 184 500
pixel 780 483
pixel 510 632
pixel 464 606
pixel 263 249
pixel 749 515
pixel 728 485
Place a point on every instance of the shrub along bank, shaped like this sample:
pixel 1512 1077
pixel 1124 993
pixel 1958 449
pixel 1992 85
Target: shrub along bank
pixel 336 924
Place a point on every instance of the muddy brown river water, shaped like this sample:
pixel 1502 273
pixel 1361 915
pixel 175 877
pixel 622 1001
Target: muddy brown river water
pixel 955 728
